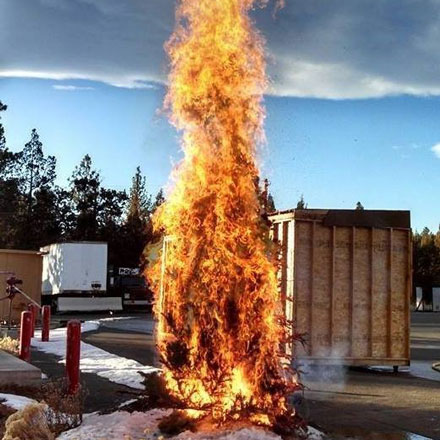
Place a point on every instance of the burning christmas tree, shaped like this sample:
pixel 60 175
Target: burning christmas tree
pixel 221 330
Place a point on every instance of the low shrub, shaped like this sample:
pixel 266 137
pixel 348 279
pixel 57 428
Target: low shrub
pixel 30 423
pixel 5 412
pixel 9 344
pixel 64 411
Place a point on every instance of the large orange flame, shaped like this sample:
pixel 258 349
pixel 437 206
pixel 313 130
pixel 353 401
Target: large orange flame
pixel 219 330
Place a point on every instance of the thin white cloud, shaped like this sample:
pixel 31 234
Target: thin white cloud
pixel 70 88
pixel 338 81
pixel 40 74
pixel 126 81
pixel 436 150
pixel 334 50
pixel 406 151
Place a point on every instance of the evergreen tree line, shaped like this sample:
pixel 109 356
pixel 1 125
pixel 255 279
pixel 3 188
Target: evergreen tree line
pixel 426 249
pixel 35 211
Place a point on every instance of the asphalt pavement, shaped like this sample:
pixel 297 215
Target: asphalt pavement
pixel 341 400
pixel 368 403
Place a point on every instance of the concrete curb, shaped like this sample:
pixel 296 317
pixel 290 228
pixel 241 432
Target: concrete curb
pixel 436 366
pixel 17 372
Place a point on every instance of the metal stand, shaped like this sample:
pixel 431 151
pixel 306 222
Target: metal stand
pixel 10 297
pixel 11 291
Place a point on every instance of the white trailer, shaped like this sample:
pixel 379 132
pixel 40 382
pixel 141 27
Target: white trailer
pixel 75 277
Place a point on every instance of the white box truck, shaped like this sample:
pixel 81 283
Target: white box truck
pixel 75 277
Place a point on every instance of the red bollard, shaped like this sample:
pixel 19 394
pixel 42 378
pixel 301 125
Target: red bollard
pixel 45 315
pixel 34 310
pixel 73 353
pixel 25 336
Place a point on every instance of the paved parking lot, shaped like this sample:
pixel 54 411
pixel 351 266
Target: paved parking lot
pixel 372 403
pixel 380 400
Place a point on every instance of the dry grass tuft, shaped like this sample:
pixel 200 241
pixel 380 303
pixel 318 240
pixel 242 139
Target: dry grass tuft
pixel 61 411
pixel 5 412
pixel 64 411
pixel 9 344
pixel 29 424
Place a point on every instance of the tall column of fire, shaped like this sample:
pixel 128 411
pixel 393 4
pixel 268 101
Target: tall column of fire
pixel 219 328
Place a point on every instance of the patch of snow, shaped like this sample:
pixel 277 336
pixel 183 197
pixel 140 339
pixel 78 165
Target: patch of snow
pixel 14 401
pixel 138 325
pixel 116 426
pixel 241 434
pixel 101 321
pixel 314 434
pixel 128 402
pixel 138 425
pixel 90 326
pixel 94 360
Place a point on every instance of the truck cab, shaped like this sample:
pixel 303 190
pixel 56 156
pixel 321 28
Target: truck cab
pixel 129 283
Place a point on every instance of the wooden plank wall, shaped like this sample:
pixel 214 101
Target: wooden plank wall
pixel 27 267
pixel 342 300
pixel 283 234
pixel 350 288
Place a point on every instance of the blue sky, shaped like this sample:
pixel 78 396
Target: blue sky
pixel 352 115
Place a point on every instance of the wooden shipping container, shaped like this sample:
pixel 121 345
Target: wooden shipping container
pixel 345 281
pixel 27 266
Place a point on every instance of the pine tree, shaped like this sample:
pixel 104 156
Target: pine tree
pixel 9 205
pixel 9 191
pixel 301 203
pixel 270 203
pixel 37 171
pixel 112 204
pixel 139 205
pixel 6 156
pixel 85 186
pixel 95 212
pixel 66 218
pixel 437 238
pixel 111 207
pixel 46 228
pixel 159 200
pixel 138 227
pixel 35 218
pixel 426 257
pixel 3 108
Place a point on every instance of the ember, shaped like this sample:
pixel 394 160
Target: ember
pixel 220 329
